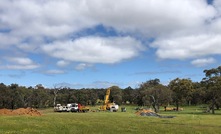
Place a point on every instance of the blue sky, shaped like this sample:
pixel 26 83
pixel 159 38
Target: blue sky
pixel 101 43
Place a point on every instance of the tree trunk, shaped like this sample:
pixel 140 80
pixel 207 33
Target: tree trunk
pixel 55 100
pixel 217 106
pixel 154 104
pixel 213 105
pixel 177 105
pixel 12 104
pixel 189 102
pixel 55 96
pixel 158 108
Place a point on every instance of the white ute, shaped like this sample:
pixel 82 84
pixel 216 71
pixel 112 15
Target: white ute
pixel 58 108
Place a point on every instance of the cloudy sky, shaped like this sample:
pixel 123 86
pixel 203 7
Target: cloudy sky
pixel 99 43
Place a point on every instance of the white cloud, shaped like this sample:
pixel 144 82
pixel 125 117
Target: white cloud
pixel 42 18
pixel 57 19
pixel 54 71
pixel 181 28
pixel 157 17
pixel 191 46
pixel 203 62
pixel 20 67
pixel 82 66
pixel 217 5
pixel 216 26
pixel 62 63
pixel 20 60
pixel 95 49
pixel 19 63
pixel 7 40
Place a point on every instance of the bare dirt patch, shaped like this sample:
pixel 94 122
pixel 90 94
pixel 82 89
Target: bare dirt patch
pixel 20 111
pixel 149 112
pixel 144 112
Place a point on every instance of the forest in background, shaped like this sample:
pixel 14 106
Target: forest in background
pixel 150 93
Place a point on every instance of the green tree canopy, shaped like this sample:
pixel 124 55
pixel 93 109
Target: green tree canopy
pixel 182 88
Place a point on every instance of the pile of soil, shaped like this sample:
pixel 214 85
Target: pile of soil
pixel 20 111
pixel 148 112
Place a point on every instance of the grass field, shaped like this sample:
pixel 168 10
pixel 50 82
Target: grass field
pixel 189 121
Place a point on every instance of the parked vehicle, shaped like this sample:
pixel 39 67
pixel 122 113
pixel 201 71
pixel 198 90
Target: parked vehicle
pixel 58 108
pixel 76 107
pixel 71 107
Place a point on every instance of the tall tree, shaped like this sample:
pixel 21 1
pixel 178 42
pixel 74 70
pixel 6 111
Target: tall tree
pixel 93 96
pixel 115 95
pixel 128 95
pixel 212 82
pixel 182 88
pixel 199 94
pixel 83 96
pixel 5 96
pixel 13 89
pixel 155 94
pixel 55 92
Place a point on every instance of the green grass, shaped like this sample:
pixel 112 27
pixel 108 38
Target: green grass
pixel 189 121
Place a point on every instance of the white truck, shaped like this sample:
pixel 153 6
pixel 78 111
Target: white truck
pixel 73 107
pixel 59 108
pixel 114 108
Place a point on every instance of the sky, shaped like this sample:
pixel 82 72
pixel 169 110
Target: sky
pixel 101 43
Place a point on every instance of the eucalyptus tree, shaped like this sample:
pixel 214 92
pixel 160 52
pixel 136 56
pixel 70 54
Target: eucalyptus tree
pixel 144 91
pixel 154 94
pixel 55 93
pixel 40 98
pixel 129 95
pixel 116 95
pixel 182 89
pixel 212 82
pixel 93 96
pixel 13 95
pixel 199 94
pixel 5 96
pixel 24 96
pixel 82 96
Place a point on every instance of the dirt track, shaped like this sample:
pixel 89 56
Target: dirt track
pixel 20 111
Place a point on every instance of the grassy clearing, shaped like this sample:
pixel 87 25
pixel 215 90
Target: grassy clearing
pixel 191 120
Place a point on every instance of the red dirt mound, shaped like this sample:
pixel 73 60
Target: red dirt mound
pixel 20 111
pixel 5 111
pixel 144 111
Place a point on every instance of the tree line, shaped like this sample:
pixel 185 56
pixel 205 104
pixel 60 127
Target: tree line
pixel 150 93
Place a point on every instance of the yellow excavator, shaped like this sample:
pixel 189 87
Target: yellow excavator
pixel 107 105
